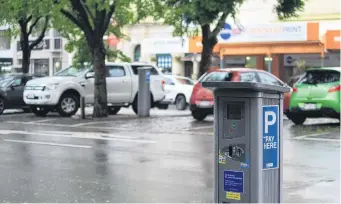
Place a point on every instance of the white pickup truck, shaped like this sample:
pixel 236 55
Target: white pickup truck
pixel 62 92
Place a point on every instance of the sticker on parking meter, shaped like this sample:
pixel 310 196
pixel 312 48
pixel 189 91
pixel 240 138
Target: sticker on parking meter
pixel 148 76
pixel 270 137
pixel 234 181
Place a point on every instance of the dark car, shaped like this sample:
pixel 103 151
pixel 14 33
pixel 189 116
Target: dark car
pixel 11 91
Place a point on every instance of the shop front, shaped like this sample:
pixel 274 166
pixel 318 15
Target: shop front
pixel 268 44
pixel 166 53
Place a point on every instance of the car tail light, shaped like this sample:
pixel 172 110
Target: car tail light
pixel 196 87
pixel 163 82
pixel 294 90
pixel 334 89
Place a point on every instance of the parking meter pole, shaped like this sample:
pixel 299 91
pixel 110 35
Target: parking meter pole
pixel 248 119
pixel 82 107
pixel 143 99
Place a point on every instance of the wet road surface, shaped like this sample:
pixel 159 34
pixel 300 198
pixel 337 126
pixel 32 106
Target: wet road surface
pixel 159 159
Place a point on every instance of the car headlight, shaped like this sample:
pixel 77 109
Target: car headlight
pixel 51 86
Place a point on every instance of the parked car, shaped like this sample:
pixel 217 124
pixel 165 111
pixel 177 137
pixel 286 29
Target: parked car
pixel 178 91
pixel 201 102
pixel 317 94
pixel 11 91
pixel 286 99
pixel 62 92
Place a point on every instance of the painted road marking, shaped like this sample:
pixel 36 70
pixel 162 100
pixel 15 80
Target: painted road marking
pixel 80 135
pixel 312 137
pixel 89 123
pixel 185 131
pixel 48 143
pixel 42 121
pixel 322 139
pixel 200 128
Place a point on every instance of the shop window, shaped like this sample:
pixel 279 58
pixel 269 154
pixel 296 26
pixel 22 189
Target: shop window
pixel 137 53
pixel 164 61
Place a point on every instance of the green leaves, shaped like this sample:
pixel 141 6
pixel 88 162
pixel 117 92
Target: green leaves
pixel 288 8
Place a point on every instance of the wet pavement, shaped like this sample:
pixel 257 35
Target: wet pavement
pixel 165 158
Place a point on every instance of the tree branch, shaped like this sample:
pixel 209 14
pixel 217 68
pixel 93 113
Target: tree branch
pixel 220 24
pixel 73 19
pixel 28 19
pixel 42 34
pixel 82 16
pixel 88 11
pixel 108 18
pixel 33 25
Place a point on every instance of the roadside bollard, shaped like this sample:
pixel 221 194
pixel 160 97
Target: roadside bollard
pixel 143 99
pixel 248 122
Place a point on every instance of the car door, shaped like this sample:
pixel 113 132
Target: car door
pixel 119 84
pixel 15 92
pixel 89 87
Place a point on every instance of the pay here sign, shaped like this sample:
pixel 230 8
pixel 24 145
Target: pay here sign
pixel 270 137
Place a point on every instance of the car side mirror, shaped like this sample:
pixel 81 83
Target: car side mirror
pixel 173 84
pixel 90 75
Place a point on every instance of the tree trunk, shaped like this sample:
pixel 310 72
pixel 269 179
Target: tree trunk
pixel 26 53
pixel 100 91
pixel 206 58
pixel 208 42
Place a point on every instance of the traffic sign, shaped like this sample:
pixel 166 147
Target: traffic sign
pixel 270 137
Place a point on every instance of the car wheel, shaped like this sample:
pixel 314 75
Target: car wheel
pixel 297 119
pixel 68 105
pixel 134 105
pixel 199 115
pixel 113 110
pixel 2 105
pixel 180 102
pixel 40 111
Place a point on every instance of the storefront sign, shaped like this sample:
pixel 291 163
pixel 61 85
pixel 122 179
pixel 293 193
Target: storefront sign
pixel 312 60
pixel 164 45
pixel 275 32
pixel 195 45
pixel 333 40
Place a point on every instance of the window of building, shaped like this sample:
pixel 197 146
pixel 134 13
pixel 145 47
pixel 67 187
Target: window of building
pixel 57 43
pixel 164 61
pixel 137 53
pixel 57 65
pixel 41 66
pixel 5 42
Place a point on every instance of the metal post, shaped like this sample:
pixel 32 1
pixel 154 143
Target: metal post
pixel 143 99
pixel 269 66
pixel 82 107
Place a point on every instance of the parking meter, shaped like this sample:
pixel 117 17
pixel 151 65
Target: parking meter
pixel 143 98
pixel 248 119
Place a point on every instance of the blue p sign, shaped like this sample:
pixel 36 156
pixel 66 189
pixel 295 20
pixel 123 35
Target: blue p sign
pixel 270 137
pixel 148 77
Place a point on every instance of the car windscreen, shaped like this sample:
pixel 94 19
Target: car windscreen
pixel 5 81
pixel 320 77
pixel 71 71
pixel 184 81
pixel 218 76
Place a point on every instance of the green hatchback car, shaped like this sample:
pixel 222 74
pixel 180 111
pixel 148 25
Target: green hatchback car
pixel 316 94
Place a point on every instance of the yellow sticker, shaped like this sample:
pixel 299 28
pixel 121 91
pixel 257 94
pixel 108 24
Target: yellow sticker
pixel 233 196
pixel 222 159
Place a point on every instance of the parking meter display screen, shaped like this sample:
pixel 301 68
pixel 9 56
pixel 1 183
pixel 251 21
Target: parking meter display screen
pixel 234 111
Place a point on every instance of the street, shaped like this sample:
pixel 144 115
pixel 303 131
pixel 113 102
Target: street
pixel 165 158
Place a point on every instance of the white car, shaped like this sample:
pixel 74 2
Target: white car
pixel 178 91
pixel 63 91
